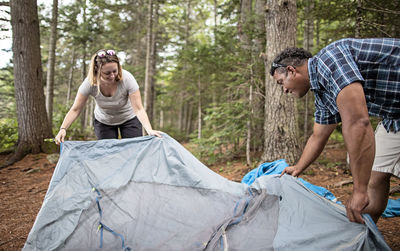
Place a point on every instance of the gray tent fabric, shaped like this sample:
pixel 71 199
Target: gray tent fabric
pixel 150 193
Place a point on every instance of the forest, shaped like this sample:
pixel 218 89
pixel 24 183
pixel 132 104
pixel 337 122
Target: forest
pixel 202 67
pixel 203 71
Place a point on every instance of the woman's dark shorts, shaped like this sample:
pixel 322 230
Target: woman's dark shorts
pixel 129 129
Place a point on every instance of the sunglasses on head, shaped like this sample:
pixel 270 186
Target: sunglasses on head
pixel 275 66
pixel 103 53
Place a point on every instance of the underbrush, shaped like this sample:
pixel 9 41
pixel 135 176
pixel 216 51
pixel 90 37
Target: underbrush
pixel 9 134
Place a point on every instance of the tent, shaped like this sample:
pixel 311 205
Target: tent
pixel 150 193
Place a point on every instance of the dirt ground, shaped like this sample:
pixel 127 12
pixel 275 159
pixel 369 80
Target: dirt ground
pixel 24 185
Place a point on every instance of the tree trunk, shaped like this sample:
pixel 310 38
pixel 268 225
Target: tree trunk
pixel 280 110
pixel 184 116
pixel 83 73
pixel 51 64
pixel 249 124
pixel 199 110
pixel 180 112
pixel 259 26
pixel 317 36
pixel 189 120
pixel 259 72
pixel 308 43
pixel 154 58
pixel 246 44
pixel 83 112
pixel 70 76
pixel 148 76
pixel 357 32
pixel 161 119
pixel 188 11
pixel 244 24
pixel 33 126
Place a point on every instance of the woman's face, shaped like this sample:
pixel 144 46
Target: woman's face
pixel 109 72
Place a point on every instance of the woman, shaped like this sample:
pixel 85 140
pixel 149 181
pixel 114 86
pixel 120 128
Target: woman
pixel 118 101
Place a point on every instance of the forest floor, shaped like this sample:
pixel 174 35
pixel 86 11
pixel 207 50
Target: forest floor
pixel 24 185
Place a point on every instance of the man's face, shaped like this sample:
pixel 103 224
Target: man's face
pixel 292 82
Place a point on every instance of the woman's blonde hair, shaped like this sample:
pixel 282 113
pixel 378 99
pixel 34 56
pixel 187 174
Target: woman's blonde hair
pixel 97 62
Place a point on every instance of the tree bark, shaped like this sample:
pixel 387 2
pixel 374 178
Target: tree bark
pixel 249 126
pixel 199 110
pixel 243 24
pixel 189 120
pixel 246 45
pixel 51 64
pixel 83 112
pixel 308 43
pixel 180 112
pixel 148 76
pixel 70 76
pixel 357 32
pixel 33 126
pixel 161 119
pixel 83 117
pixel 280 110
pixel 154 58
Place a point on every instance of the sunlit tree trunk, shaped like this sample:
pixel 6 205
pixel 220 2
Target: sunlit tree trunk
pixel 148 76
pixel 83 117
pixel 33 126
pixel 70 76
pixel 51 64
pixel 154 57
pixel 280 110
pixel 249 126
pixel 83 76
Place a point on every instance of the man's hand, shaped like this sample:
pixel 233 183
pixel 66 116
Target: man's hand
pixel 292 170
pixel 355 205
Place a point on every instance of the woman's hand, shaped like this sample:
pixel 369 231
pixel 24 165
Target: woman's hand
pixel 154 133
pixel 60 136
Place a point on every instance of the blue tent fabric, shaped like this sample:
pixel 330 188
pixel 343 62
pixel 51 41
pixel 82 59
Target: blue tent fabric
pixel 392 209
pixel 150 193
pixel 276 167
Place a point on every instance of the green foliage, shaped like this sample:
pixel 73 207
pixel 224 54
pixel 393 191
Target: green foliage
pixel 200 64
pixel 223 134
pixel 8 118
pixel 75 131
pixel 337 135
pixel 7 101
pixel 9 134
pixel 175 133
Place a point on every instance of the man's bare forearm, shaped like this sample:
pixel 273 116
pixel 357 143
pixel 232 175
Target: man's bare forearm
pixel 360 143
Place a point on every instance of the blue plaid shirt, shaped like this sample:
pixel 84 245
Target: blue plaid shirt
pixel 375 63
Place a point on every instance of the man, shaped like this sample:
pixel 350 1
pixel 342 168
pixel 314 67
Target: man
pixel 351 79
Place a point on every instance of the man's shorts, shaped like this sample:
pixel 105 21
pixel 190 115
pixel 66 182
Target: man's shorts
pixel 387 156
